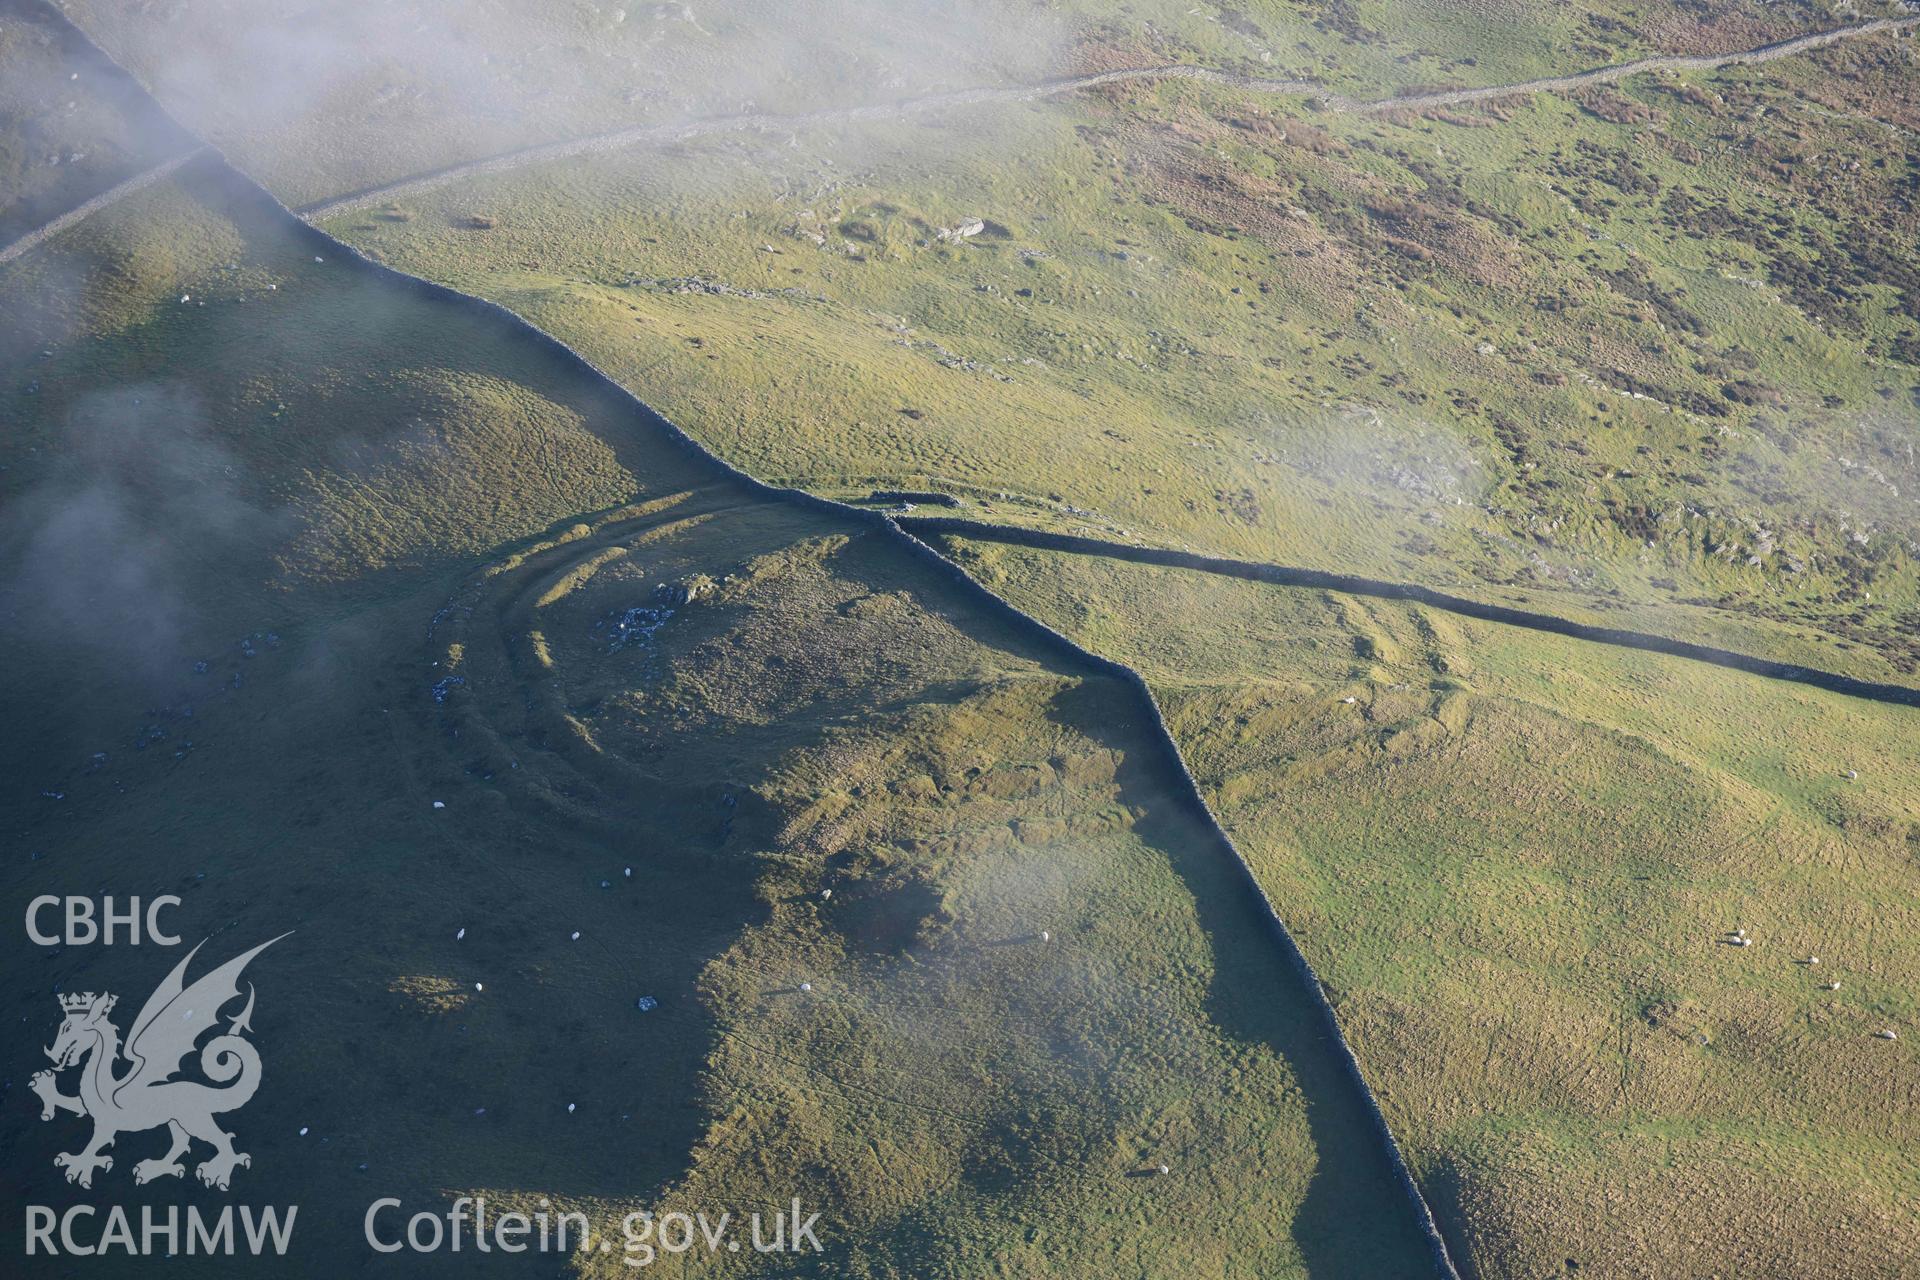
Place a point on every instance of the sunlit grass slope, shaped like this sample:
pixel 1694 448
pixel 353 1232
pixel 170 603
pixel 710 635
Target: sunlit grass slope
pixel 1647 350
pixel 324 99
pixel 1516 860
pixel 1471 349
pixel 292 557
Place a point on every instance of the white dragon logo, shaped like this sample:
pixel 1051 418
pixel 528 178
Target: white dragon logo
pixel 146 1096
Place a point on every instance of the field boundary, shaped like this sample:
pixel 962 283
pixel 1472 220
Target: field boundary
pixel 86 209
pixel 995 605
pixel 1339 104
pixel 1188 788
pixel 1351 584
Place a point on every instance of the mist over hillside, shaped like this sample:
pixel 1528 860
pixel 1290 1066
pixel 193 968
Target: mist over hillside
pixel 1081 638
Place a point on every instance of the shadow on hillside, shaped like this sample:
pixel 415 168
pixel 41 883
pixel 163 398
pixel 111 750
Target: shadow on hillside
pixel 1355 1219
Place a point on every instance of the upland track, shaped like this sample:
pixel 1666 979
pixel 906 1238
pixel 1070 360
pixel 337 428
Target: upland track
pixel 886 524
pixel 768 122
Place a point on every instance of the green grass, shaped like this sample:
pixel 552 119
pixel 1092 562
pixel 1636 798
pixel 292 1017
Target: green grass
pixel 264 84
pixel 1160 339
pixel 379 493
pixel 68 128
pixel 1647 355
pixel 953 1089
pixel 1513 857
pixel 1406 347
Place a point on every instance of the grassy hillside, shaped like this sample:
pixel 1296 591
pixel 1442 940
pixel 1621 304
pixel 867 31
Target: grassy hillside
pixel 1454 351
pixel 1515 860
pixel 293 557
pixel 69 129
pixel 955 1088
pixel 290 554
pixel 319 101
pixel 1645 350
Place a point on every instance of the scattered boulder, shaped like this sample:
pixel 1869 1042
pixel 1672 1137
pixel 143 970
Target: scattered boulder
pixel 964 231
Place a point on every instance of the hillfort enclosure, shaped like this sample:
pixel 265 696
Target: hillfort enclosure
pixel 877 639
